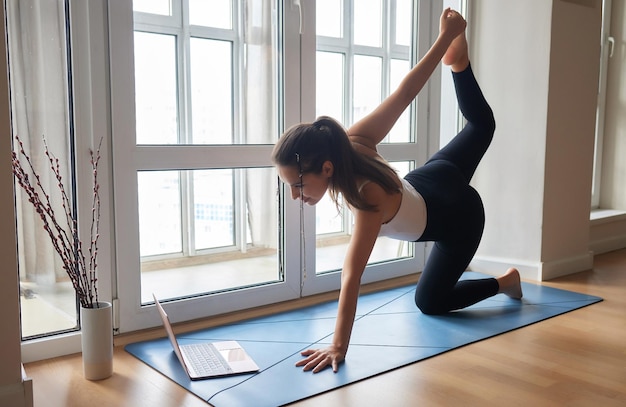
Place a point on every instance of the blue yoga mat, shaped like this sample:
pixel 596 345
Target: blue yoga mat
pixel 389 332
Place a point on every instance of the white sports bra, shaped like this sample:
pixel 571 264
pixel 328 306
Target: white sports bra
pixel 410 221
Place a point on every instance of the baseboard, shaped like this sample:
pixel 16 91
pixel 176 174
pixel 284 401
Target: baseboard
pixel 608 244
pixel 495 266
pixel 607 230
pixel 563 267
pixel 533 271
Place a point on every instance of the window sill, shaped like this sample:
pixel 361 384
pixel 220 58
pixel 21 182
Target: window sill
pixel 601 216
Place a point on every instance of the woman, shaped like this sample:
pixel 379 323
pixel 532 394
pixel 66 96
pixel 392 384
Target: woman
pixel 432 203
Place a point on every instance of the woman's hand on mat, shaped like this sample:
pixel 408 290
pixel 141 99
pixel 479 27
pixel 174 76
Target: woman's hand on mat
pixel 318 359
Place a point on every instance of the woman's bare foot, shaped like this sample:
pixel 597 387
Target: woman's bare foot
pixel 510 284
pixel 457 55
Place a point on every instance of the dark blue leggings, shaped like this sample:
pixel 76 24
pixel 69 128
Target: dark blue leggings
pixel 455 213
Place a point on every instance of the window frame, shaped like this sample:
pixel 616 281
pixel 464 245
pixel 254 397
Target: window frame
pixel 102 81
pixel 606 49
pixel 132 314
pixel 90 78
pixel 424 118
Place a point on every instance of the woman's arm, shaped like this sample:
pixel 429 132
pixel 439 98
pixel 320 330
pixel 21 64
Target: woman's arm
pixel 370 130
pixel 366 228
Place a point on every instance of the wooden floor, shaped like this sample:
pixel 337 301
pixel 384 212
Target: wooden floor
pixel 577 359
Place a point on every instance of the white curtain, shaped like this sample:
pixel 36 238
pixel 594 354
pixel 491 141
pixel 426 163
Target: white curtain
pixel 260 75
pixel 39 107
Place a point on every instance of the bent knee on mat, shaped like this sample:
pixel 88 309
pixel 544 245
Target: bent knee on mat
pixel 431 307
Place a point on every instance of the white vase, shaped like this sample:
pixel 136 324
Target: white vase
pixel 97 341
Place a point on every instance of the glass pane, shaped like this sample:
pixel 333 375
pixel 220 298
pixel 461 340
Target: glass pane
pixel 328 219
pixel 403 22
pixel 160 206
pixel 329 17
pixel 213 13
pixel 401 131
pixel 239 208
pixel 40 107
pixel 368 22
pixel 329 85
pixel 162 7
pixel 220 89
pixel 367 85
pixel 211 91
pixel 214 224
pixel 331 251
pixel 155 88
pixel 332 246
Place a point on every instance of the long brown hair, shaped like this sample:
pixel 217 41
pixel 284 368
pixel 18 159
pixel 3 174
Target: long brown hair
pixel 326 140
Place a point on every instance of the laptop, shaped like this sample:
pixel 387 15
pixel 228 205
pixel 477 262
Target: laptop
pixel 205 360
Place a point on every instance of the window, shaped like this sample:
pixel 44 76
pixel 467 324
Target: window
pixel 40 98
pixel 200 191
pixel 607 47
pixel 211 227
pixel 204 231
pixel 361 56
pixel 199 93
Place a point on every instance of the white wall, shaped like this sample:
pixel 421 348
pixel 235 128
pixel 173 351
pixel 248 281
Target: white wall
pixel 537 62
pixel 574 72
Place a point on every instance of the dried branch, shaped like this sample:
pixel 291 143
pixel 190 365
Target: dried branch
pixel 65 237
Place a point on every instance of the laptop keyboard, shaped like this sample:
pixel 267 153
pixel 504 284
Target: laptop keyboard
pixel 206 360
